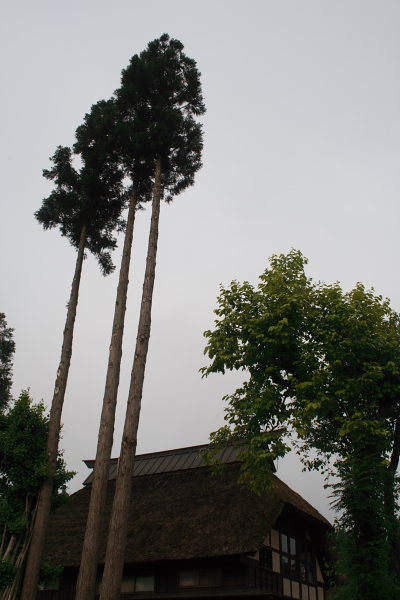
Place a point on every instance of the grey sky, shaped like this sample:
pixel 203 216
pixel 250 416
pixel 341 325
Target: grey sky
pixel 301 150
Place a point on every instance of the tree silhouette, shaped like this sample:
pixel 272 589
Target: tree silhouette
pixel 158 99
pixel 86 206
pixel 140 188
pixel 7 349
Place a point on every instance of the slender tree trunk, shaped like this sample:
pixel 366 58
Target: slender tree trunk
pixel 10 548
pixel 394 459
pixel 86 584
pixel 34 558
pixel 390 504
pixel 115 554
pixel 3 541
pixel 15 551
pixel 11 592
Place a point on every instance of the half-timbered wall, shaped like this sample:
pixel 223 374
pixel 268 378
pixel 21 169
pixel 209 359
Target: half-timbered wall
pixel 290 553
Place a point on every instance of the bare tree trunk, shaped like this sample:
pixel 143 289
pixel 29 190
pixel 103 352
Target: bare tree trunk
pixel 10 548
pixel 11 592
pixel 390 504
pixel 15 551
pixel 34 558
pixel 3 541
pixel 10 556
pixel 86 585
pixel 115 554
pixel 394 459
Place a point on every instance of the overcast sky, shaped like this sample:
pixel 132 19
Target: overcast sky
pixel 301 150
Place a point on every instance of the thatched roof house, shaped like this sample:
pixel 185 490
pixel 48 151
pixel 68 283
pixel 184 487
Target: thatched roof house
pixel 195 534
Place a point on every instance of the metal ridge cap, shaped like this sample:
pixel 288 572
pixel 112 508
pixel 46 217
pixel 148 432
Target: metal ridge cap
pixel 189 449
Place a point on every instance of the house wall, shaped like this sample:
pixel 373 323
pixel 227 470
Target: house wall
pixel 233 574
pixel 294 586
pixel 285 566
pixel 265 570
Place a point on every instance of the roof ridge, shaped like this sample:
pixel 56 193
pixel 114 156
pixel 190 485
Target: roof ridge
pixel 147 455
pixel 166 461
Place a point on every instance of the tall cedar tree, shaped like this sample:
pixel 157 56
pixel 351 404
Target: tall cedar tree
pixel 86 205
pixel 139 173
pixel 7 349
pixel 158 99
pixel 323 371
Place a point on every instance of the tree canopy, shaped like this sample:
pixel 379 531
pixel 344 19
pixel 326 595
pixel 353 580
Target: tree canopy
pixel 23 457
pixel 323 375
pixel 23 466
pixel 92 196
pixel 7 349
pixel 149 118
pixel 159 96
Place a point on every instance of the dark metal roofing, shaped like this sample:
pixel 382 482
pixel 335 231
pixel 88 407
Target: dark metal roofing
pixel 167 461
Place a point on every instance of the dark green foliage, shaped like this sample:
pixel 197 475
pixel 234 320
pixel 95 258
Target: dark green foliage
pixel 167 78
pixel 49 573
pixel 97 135
pixel 23 462
pixel 7 349
pixel 160 94
pixel 23 466
pixel 361 540
pixel 323 372
pixel 104 119
pixel 150 118
pixel 92 196
pixel 7 573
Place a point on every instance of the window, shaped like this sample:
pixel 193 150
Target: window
pixel 297 560
pixel 266 558
pixel 138 583
pixel 144 583
pixel 200 578
pixel 289 559
pixel 188 578
pixel 285 562
pixel 307 568
pixel 292 546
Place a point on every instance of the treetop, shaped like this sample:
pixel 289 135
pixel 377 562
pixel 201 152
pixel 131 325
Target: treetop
pixel 322 365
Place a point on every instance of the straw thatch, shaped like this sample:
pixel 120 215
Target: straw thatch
pixel 181 515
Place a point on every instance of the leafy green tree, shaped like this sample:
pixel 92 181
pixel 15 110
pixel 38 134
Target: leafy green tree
pixel 23 466
pixel 159 97
pixel 7 348
pixel 323 374
pixel 86 206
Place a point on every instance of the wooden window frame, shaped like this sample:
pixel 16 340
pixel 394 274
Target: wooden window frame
pixel 199 584
pixel 296 552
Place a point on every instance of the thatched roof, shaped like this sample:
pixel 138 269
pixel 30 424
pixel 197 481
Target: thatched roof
pixel 180 515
